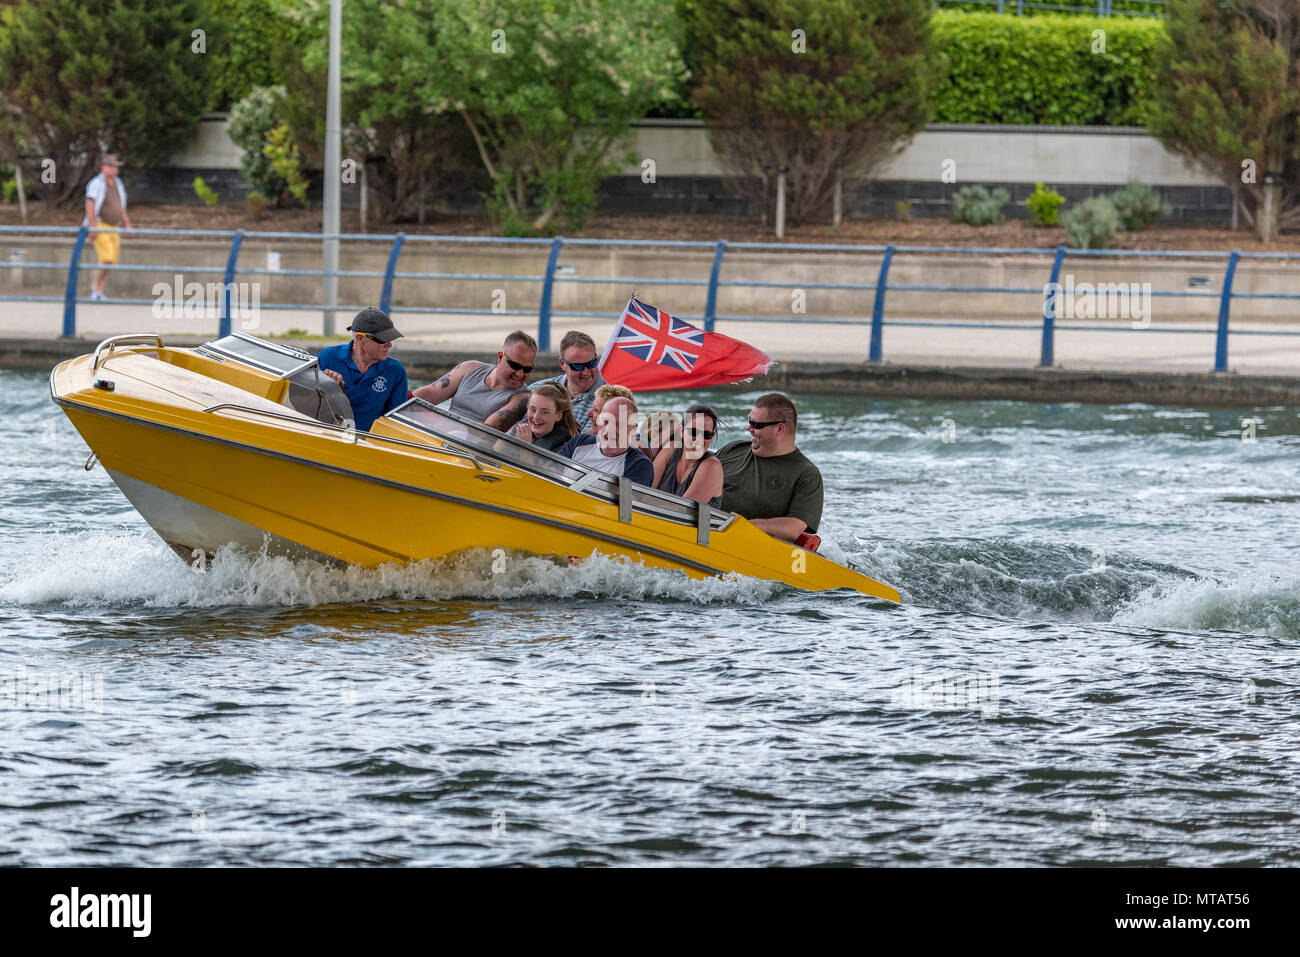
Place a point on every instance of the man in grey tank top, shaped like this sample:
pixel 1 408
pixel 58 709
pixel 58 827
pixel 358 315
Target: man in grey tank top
pixel 478 389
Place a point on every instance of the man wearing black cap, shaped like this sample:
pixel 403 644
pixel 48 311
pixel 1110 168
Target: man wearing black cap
pixel 374 383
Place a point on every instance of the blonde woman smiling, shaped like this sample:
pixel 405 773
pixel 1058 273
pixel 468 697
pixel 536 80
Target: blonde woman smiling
pixel 549 421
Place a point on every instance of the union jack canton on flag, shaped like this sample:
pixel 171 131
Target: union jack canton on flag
pixel 650 350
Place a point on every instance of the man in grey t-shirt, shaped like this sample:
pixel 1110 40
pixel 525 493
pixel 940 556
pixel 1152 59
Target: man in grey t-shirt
pixel 478 390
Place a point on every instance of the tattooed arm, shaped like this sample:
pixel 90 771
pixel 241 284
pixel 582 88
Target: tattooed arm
pixel 445 387
pixel 504 418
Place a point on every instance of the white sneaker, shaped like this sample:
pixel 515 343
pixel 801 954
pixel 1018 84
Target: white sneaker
pixel 96 295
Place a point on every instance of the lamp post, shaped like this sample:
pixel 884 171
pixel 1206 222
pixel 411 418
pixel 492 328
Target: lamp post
pixel 332 171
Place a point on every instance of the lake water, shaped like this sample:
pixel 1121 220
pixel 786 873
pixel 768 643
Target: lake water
pixel 1096 663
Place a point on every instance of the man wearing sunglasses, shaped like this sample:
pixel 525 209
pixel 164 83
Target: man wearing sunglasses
pixel 580 379
pixel 373 383
pixel 478 390
pixel 578 359
pixel 767 479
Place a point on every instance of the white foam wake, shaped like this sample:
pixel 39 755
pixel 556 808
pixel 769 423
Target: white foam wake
pixel 135 568
pixel 1255 603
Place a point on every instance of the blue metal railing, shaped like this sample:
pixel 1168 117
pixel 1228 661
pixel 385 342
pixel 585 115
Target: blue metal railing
pixel 551 276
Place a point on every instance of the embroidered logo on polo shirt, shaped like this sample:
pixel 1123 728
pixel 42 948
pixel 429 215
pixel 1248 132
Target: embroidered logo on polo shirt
pixel 381 384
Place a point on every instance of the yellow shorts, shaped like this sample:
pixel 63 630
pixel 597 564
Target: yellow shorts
pixel 107 245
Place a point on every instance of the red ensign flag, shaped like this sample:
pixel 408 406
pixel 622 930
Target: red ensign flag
pixel 650 350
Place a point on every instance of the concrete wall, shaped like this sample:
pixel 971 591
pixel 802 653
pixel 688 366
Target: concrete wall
pixel 1077 161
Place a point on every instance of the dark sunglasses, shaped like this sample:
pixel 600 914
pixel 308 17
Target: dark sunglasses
pixel 763 425
pixel 515 365
pixel 380 341
pixel 580 366
pixel 708 436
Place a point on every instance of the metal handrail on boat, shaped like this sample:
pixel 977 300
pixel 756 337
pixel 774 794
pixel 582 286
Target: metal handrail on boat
pixel 114 341
pixel 356 435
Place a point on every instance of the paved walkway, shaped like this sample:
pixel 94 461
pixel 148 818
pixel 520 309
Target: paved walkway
pixel 1121 350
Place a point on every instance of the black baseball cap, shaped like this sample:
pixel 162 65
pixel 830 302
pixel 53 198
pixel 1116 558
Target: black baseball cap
pixel 375 322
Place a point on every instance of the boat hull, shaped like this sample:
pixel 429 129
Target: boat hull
pixel 204 479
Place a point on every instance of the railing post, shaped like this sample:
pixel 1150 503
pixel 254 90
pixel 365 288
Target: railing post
pixel 711 304
pixel 70 295
pixel 223 329
pixel 1050 298
pixel 386 296
pixel 544 313
pixel 1225 304
pixel 878 310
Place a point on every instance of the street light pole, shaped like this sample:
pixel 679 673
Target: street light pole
pixel 333 167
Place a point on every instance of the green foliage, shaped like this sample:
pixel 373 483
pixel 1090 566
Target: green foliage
pixel 1229 99
pixel 257 204
pixel 819 87
pixel 1139 206
pixel 396 103
pixel 205 192
pixel 1043 69
pixel 549 93
pixel 1044 203
pixel 977 206
pixel 252 122
pixel 1092 224
pixel 80 77
pixel 257 38
pixel 286 163
pixel 11 189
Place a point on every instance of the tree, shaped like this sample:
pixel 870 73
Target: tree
pixel 394 105
pixel 255 37
pixel 80 77
pixel 549 92
pixel 1228 98
pixel 826 89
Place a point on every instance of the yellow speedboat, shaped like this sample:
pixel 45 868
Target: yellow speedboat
pixel 243 441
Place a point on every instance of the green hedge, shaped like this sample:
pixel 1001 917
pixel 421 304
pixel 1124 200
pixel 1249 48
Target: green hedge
pixel 1042 69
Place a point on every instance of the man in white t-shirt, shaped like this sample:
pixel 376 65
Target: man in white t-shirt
pixel 610 449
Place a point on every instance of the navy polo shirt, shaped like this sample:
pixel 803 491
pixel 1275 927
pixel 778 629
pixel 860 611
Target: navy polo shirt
pixel 378 390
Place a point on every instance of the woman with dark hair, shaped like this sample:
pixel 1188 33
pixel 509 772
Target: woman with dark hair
pixel 687 467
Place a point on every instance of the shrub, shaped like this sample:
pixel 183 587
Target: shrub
pixel 1046 69
pixel 1044 203
pixel 1092 224
pixel 1139 206
pixel 286 163
pixel 205 192
pixel 256 205
pixel 252 121
pixel 977 206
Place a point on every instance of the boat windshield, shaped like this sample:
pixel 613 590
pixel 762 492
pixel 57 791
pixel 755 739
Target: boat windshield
pixel 310 393
pixel 467 433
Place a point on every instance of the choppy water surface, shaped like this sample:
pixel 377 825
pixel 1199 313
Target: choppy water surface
pixel 1096 664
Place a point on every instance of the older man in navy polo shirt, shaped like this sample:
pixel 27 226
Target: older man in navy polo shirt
pixel 374 383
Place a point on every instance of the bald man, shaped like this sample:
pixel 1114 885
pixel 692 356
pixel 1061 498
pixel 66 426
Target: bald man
pixel 610 448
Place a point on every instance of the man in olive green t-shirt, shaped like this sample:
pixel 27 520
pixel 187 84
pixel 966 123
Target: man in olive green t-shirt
pixel 767 479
